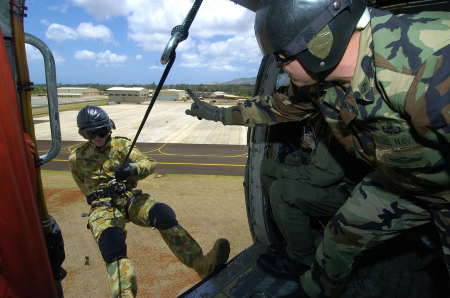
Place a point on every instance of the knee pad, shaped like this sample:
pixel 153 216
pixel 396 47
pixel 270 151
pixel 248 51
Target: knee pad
pixel 112 244
pixel 162 216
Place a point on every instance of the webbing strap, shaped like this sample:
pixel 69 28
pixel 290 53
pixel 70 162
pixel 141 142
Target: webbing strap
pixel 300 42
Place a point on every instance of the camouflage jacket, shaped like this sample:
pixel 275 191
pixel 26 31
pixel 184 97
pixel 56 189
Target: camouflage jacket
pixel 396 112
pixel 92 168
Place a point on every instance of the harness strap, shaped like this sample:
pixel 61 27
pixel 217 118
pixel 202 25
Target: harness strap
pixel 128 204
pixel 109 191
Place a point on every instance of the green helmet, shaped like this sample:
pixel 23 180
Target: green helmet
pixel 92 121
pixel 316 31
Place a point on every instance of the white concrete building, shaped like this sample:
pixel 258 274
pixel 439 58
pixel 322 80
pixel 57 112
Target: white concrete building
pixel 128 94
pixel 77 92
pixel 172 94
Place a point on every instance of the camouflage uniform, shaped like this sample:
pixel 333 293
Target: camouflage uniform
pixel 395 115
pixel 92 168
pixel 314 181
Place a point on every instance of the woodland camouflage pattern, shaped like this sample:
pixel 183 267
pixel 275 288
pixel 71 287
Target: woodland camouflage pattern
pixel 395 115
pixel 92 168
pixel 369 117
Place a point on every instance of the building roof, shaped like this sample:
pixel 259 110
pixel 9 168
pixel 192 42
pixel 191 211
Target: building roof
pixel 173 90
pixel 80 88
pixel 125 89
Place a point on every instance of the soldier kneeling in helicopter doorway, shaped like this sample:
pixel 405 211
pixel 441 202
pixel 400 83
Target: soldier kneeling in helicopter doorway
pixel 313 181
pixel 109 185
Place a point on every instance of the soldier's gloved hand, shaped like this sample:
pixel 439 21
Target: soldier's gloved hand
pixel 128 170
pixel 271 168
pixel 205 110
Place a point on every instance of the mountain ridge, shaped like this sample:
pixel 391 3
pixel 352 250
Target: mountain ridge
pixel 240 81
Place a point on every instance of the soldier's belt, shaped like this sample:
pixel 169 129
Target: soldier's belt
pixel 103 193
pixel 108 192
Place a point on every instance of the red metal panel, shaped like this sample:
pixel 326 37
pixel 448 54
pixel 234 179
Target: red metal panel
pixel 24 264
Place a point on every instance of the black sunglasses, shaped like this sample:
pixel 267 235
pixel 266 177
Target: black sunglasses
pixel 281 57
pixel 100 132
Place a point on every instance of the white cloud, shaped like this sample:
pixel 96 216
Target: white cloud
pixel 151 43
pixel 45 22
pixel 59 60
pixel 237 48
pixel 223 64
pixel 156 67
pixel 222 17
pixel 104 9
pixel 216 64
pixel 151 22
pixel 192 60
pixel 60 33
pixel 86 31
pixel 105 58
pixel 84 55
pixel 110 65
pixel 226 68
pixel 90 31
pixel 108 57
pixel 221 38
pixel 33 54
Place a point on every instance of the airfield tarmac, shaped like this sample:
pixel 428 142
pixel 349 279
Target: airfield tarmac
pixel 209 202
pixel 180 144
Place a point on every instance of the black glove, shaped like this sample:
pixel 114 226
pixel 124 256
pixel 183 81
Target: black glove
pixel 271 168
pixel 205 110
pixel 123 174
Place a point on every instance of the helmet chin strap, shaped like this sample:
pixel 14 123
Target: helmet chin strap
pixel 362 23
pixel 321 79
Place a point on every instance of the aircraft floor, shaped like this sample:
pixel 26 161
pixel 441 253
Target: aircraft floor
pixel 387 271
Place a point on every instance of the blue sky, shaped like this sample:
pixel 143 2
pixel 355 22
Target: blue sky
pixel 121 41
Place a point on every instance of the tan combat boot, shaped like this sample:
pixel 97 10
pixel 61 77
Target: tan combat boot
pixel 204 265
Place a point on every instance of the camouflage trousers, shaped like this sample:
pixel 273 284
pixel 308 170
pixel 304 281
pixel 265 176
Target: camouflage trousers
pixel 293 203
pixel 121 273
pixel 375 212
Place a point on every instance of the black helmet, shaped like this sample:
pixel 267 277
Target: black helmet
pixel 316 31
pixel 92 121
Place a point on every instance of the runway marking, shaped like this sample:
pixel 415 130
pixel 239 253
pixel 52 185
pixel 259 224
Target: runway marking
pixel 191 155
pixel 164 153
pixel 182 163
pixel 200 155
pixel 198 164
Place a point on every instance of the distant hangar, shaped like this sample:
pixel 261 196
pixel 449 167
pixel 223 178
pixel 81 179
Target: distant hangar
pixel 172 94
pixel 77 92
pixel 128 94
